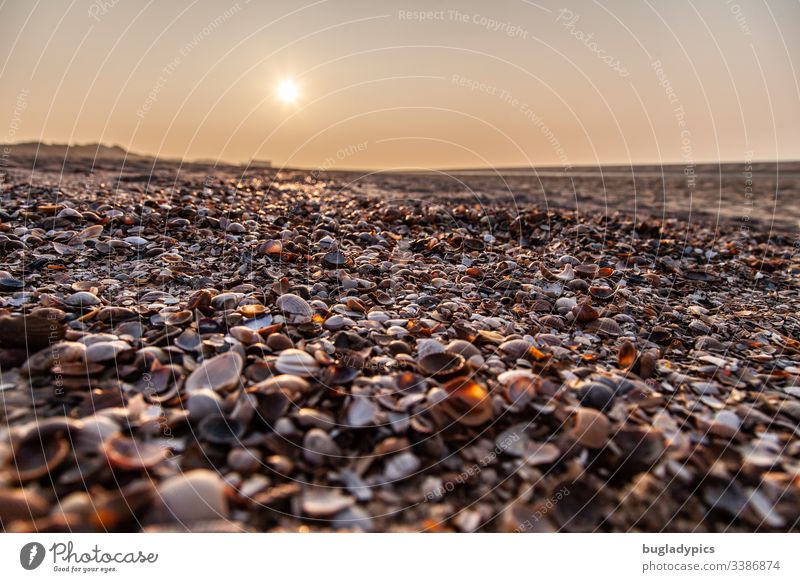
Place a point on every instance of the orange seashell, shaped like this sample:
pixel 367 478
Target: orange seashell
pixel 467 401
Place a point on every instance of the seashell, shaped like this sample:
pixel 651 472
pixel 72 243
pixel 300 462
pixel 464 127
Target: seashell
pixel 113 314
pixel 136 241
pixel 193 496
pixel 626 355
pixel 295 309
pixel 426 347
pixel 319 448
pixel 319 502
pixel 178 317
pixel 464 348
pixel 401 466
pixel 552 322
pixel 40 453
pixel 161 384
pixel 336 322
pixel 271 405
pixel 188 341
pixel 86 234
pixel 601 291
pixel 587 271
pixel 519 387
pixel 297 363
pixel 278 342
pixel 252 310
pixel 701 275
pixel 281 382
pixel 29 332
pixel 126 454
pixel 226 301
pixel 82 299
pixel 584 312
pixel 11 284
pixel 220 373
pixel 334 259
pixel 591 428
pixel 516 348
pixel 596 395
pixel 441 364
pixel 338 375
pixel 541 453
pixel 203 402
pixel 271 247
pixel 106 351
pixel 361 412
pixel 219 430
pixel 61 352
pixel 245 335
pixel 606 326
pixel 467 401
pixel 21 504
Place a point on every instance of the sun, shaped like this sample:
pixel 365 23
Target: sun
pixel 287 91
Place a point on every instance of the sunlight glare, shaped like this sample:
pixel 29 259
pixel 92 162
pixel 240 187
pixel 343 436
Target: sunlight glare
pixel 287 91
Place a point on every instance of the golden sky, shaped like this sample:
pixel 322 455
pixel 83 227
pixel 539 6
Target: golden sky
pixel 419 84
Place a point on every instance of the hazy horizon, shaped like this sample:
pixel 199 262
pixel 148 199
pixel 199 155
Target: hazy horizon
pixel 382 85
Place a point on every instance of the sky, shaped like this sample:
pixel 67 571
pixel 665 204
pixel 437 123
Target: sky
pixel 423 84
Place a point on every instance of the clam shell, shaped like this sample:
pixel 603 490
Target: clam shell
pixel 220 373
pixel 591 428
pixel 295 309
pixel 464 348
pixel 29 332
pixel 361 412
pixel 319 448
pixel 219 430
pixel 441 364
pixel 38 455
pixel 297 363
pixel 467 401
pixel 82 299
pixel 196 495
pixel 127 454
pixel 605 325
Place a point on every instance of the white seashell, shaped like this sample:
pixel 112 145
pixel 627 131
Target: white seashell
pixel 295 309
pixel 297 363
